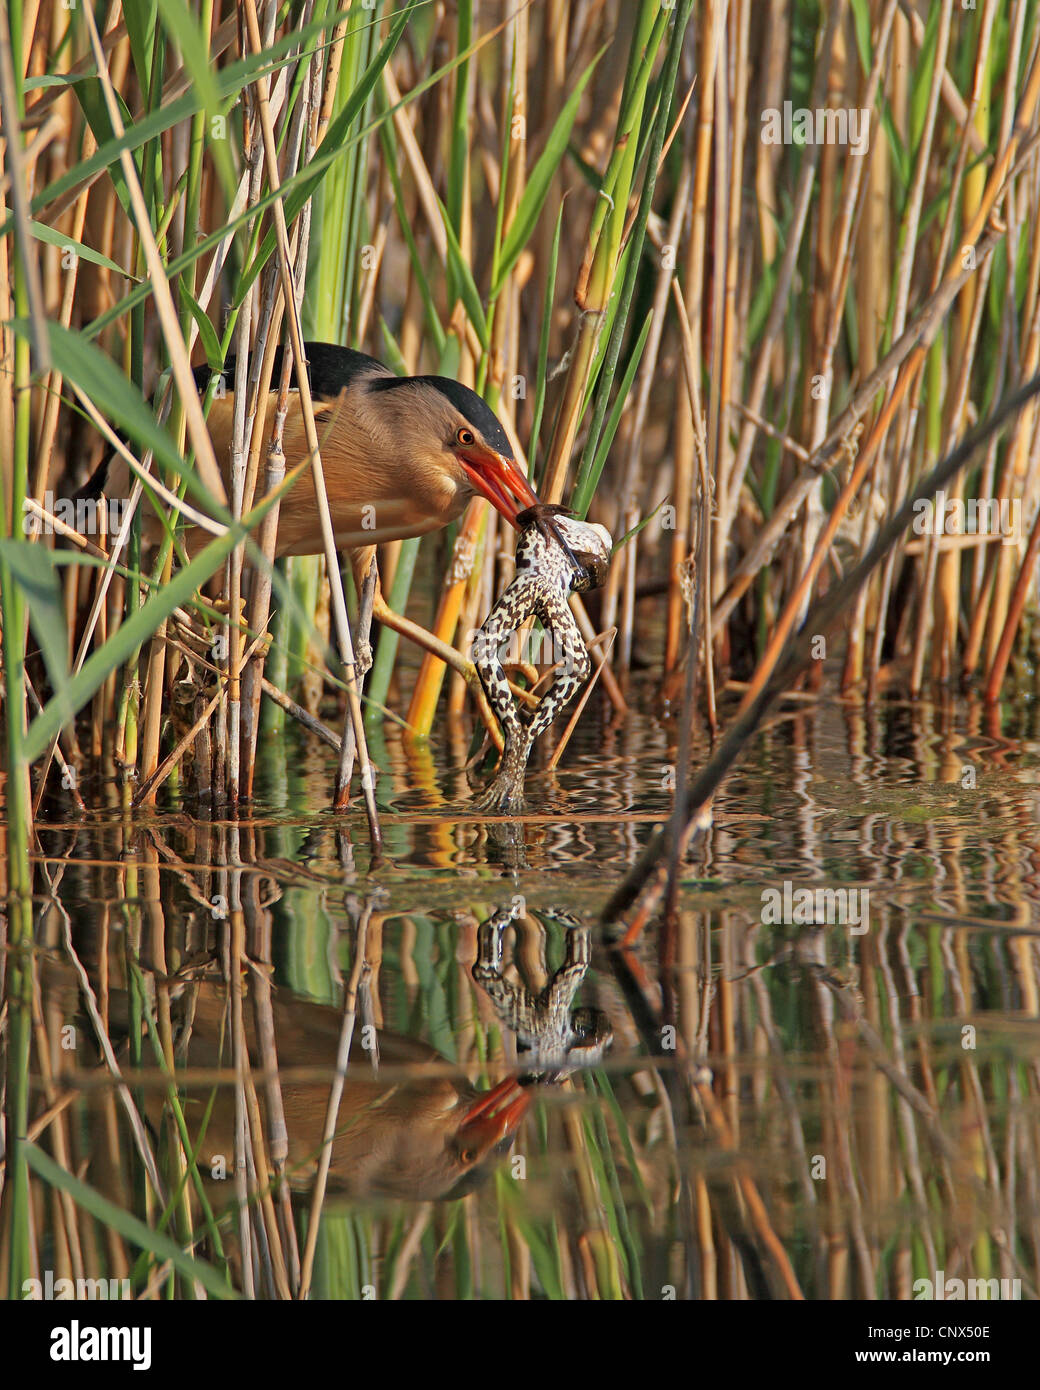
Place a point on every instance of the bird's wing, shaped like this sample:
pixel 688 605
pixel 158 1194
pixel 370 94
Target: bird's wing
pixel 331 369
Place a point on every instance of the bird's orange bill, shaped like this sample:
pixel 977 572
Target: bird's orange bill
pixel 496 1115
pixel 498 479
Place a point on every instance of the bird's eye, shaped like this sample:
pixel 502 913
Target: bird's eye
pixel 464 436
pixel 467 1156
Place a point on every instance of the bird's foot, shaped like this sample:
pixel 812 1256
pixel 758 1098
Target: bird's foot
pixel 224 606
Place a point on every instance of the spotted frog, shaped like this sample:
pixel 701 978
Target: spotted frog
pixel 552 1039
pixel 555 557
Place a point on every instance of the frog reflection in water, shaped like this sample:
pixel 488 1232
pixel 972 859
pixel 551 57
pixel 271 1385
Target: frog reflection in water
pixel 552 1039
pixel 555 557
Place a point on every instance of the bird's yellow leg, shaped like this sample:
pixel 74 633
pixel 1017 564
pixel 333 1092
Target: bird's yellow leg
pixel 381 610
pixel 448 654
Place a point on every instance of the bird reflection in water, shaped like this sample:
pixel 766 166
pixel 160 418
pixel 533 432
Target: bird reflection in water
pixel 406 1126
pixel 404 1130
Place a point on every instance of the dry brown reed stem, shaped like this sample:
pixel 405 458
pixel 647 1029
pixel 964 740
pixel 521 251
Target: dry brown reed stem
pixel 702 577
pixel 249 432
pixel 428 683
pixel 862 233
pixel 1019 464
pixel 358 971
pixel 708 49
pixel 795 607
pixel 552 67
pixel 588 632
pixel 439 648
pixel 232 590
pixel 356 721
pixel 302 716
pixel 477 598
pixel 637 416
pixel 460 576
pixel 909 230
pixel 410 1247
pixel 950 95
pixel 7 342
pixel 152 717
pixel 1016 607
pixel 109 573
pixel 720 450
pixel 967 329
pixel 590 326
pixel 502 362
pixel 68 774
pixel 922 329
pixel 736 118
pixel 755 395
pixel 176 85
pixel 181 367
pixel 426 188
pixel 602 645
pixel 52 384
pixel 977 291
pixel 205 459
pixel 146 793
pixel 14 158
pixel 269 332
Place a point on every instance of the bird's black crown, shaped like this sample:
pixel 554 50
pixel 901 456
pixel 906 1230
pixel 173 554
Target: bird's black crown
pixel 466 402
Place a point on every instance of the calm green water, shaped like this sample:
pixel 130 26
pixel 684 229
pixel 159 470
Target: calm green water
pixel 875 1081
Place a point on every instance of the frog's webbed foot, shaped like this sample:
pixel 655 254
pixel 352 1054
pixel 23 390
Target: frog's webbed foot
pixel 505 795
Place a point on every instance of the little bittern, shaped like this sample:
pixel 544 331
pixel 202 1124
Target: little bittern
pixel 401 455
pixel 399 1132
pixel 409 1130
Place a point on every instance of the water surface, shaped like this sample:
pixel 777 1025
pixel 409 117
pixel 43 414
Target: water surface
pixel 837 1109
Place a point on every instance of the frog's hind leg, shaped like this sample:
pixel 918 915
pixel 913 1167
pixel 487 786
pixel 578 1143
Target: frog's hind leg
pixel 573 666
pixel 505 795
pixel 489 640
